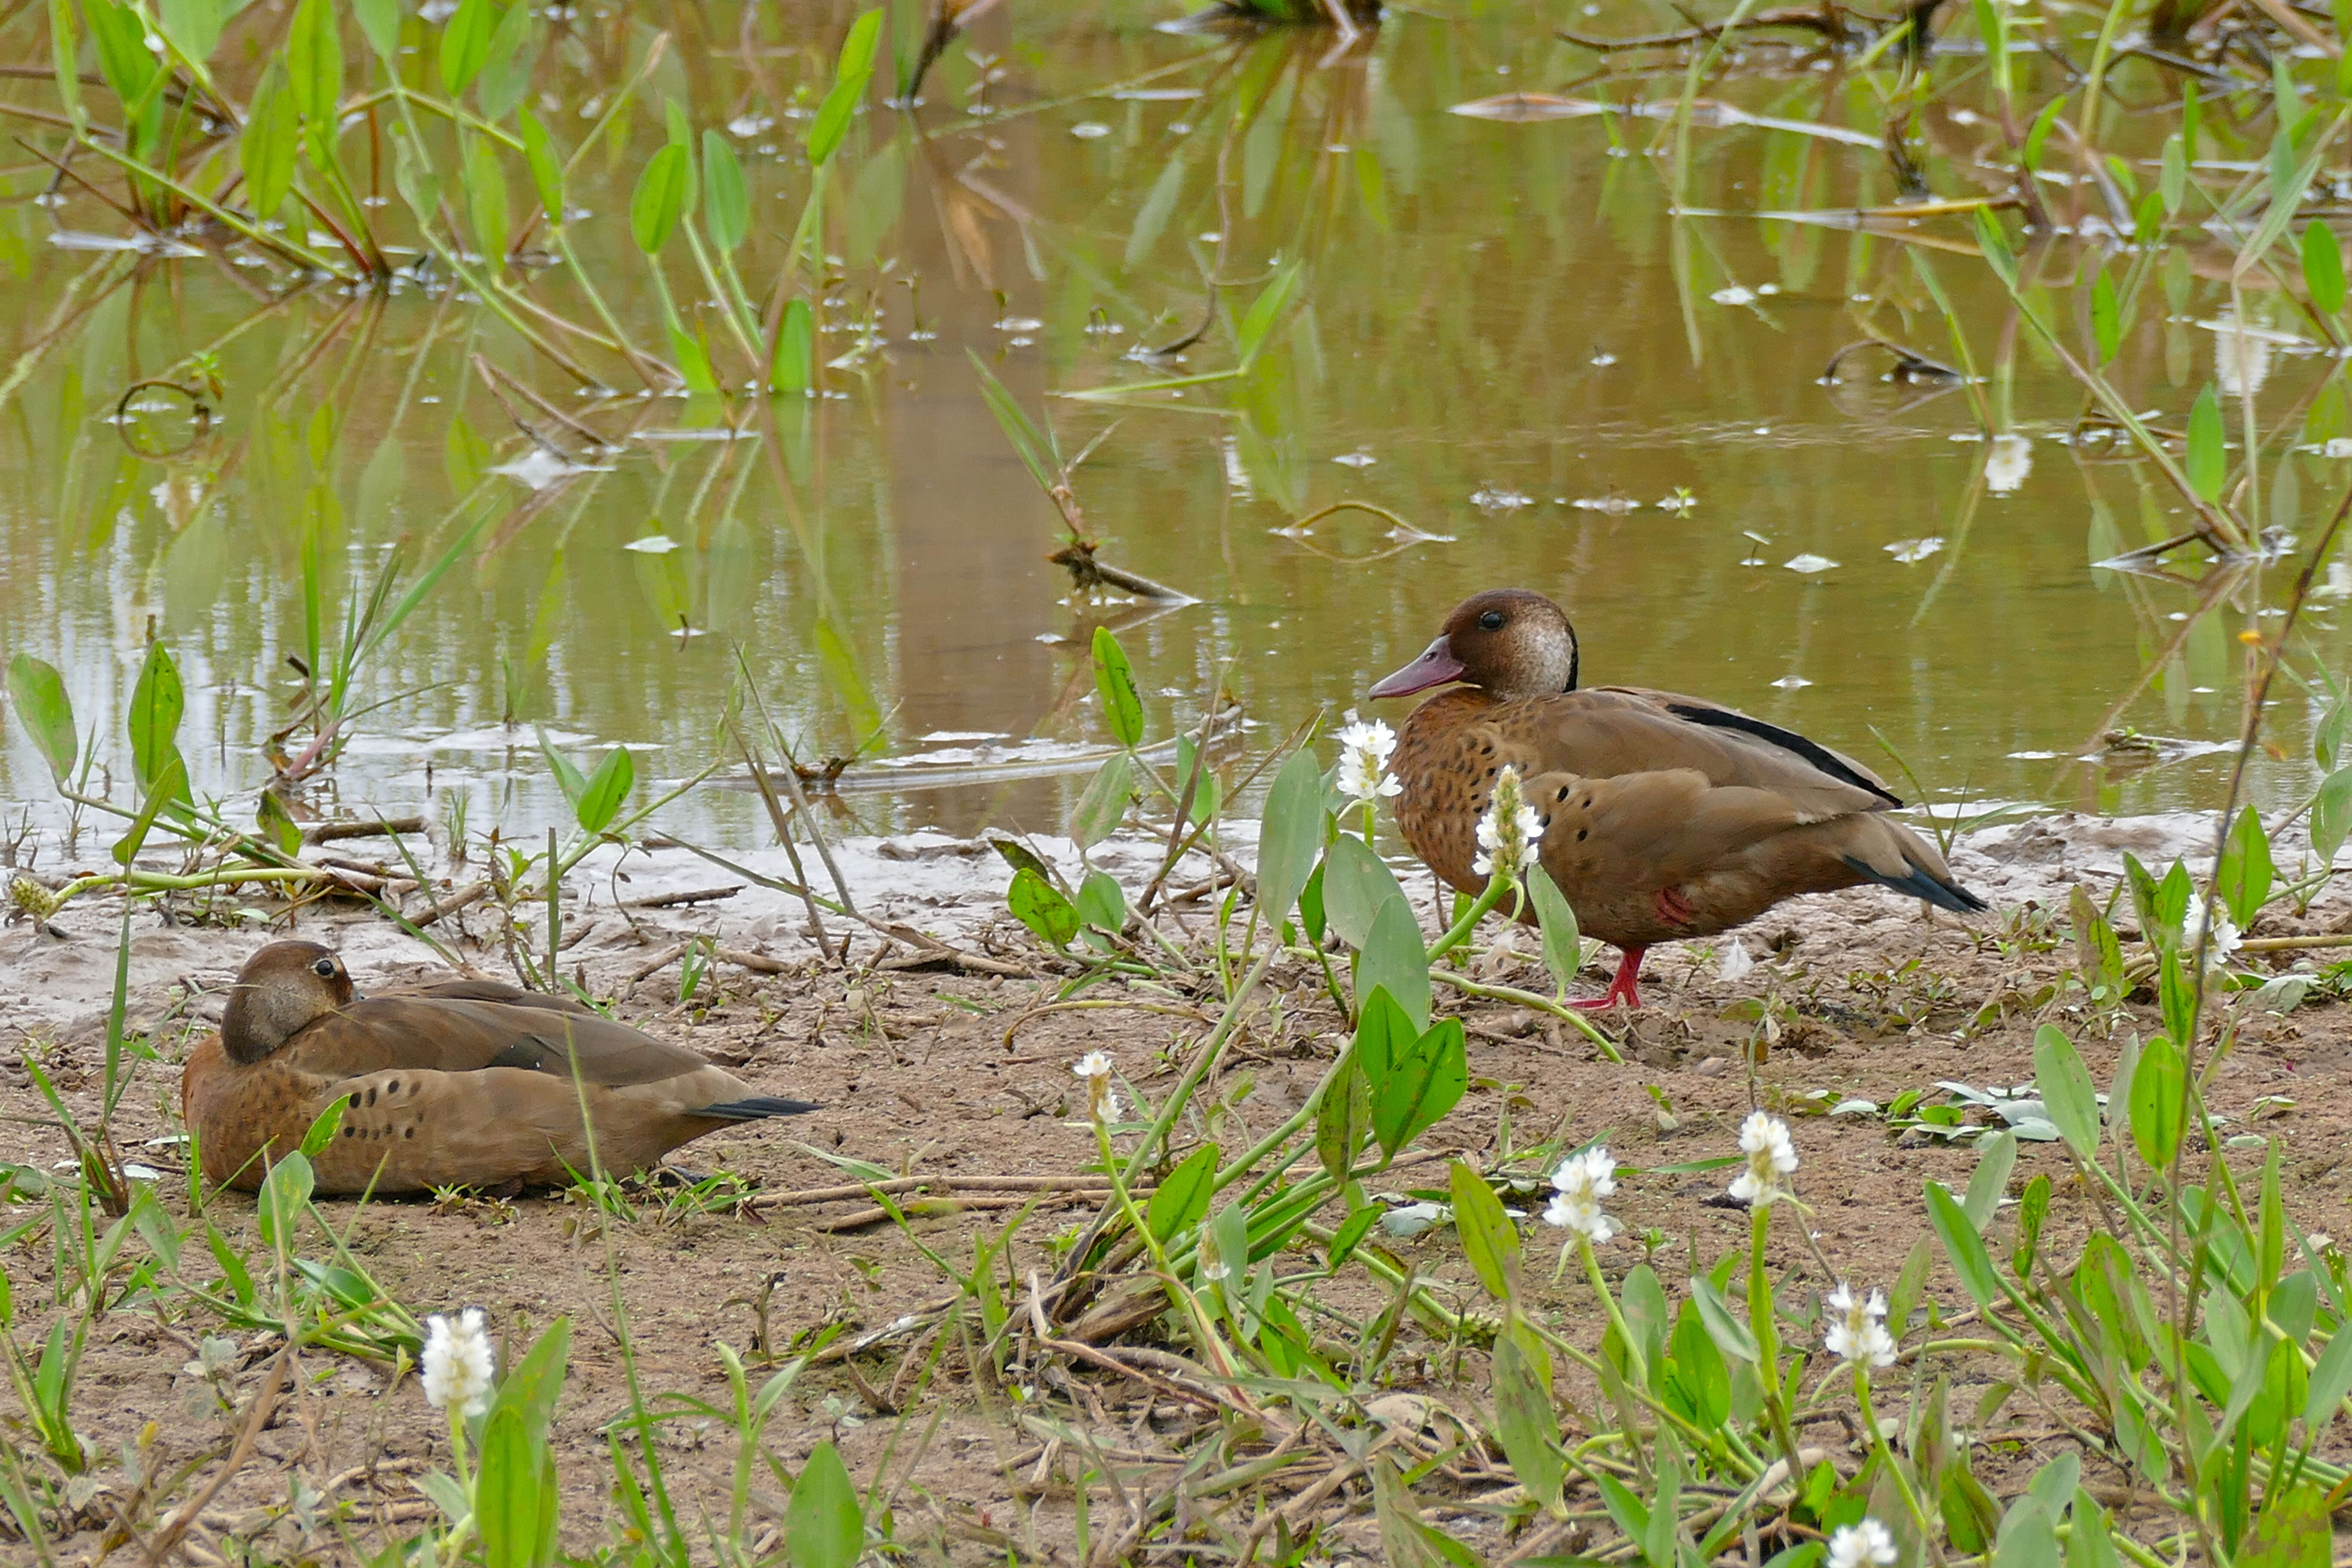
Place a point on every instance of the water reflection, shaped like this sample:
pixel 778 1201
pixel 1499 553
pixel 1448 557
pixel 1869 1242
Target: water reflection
pixel 1507 352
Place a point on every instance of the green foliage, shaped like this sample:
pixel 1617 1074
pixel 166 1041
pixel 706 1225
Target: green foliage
pixel 1181 1201
pixel 1115 684
pixel 823 1526
pixel 2208 462
pixel 660 198
pixel 851 73
pixel 1041 906
pixel 46 711
pixel 1291 836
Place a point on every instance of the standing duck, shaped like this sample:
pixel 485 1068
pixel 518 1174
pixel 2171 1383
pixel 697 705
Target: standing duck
pixel 1664 816
pixel 466 1083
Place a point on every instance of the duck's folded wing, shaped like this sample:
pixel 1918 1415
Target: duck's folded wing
pixel 441 1033
pixel 1648 830
pixel 499 991
pixel 1607 731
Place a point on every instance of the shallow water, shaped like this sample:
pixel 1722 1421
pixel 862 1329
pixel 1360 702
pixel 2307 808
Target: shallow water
pixel 1508 340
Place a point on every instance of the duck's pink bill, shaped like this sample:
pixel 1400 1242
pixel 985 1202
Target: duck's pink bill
pixel 1435 666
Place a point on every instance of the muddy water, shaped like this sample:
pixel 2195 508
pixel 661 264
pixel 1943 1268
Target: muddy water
pixel 1514 341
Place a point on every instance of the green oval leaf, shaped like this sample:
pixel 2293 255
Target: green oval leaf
pixel 1356 884
pixel 2157 1086
pixel 2331 814
pixel 601 797
pixel 266 149
pixel 660 198
pixel 2242 877
pixel 1291 836
pixel 823 1525
pixel 793 366
pixel 2066 1090
pixel 507 62
pixel 1394 959
pixel 465 44
pixel 505 1492
pixel 156 704
pixel 1041 908
pixel 850 75
pixel 1122 706
pixel 380 21
pixel 546 160
pixel 1183 1200
pixel 1104 804
pixel 486 199
pixel 1429 1082
pixel 726 200
pixel 2322 267
pixel 2209 463
pixel 314 68
pixel 1962 1245
pixel 1563 944
pixel 1102 902
pixel 1490 1240
pixel 40 694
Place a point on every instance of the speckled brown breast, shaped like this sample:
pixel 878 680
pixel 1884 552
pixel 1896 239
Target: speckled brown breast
pixel 1448 773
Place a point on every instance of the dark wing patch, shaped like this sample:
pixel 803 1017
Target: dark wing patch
pixel 1820 756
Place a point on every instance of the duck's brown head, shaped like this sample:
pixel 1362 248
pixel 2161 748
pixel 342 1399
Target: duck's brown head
pixel 282 989
pixel 1507 642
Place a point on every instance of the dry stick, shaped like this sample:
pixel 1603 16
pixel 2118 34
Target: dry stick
pixel 783 831
pixel 1090 1185
pixel 861 1218
pixel 256 1416
pixel 380 827
pixel 471 893
pixel 671 900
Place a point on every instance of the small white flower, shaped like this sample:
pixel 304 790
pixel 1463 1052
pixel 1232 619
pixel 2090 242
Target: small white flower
pixel 1857 1331
pixel 1102 1099
pixel 1510 835
pixel 1578 1185
pixel 2226 940
pixel 2007 459
pixel 1364 750
pixel 1736 962
pixel 1865 1545
pixel 1764 1139
pixel 458 1366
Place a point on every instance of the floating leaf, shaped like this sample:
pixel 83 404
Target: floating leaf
pixel 1524 108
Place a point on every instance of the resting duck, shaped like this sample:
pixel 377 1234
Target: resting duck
pixel 465 1083
pixel 1664 816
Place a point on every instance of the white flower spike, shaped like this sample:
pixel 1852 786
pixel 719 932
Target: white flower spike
pixel 1764 1139
pixel 2226 939
pixel 1364 751
pixel 457 1365
pixel 1510 835
pixel 1578 1187
pixel 1865 1545
pixel 1857 1332
pixel 1102 1100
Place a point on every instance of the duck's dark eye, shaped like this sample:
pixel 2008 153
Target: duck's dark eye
pixel 1492 621
pixel 324 968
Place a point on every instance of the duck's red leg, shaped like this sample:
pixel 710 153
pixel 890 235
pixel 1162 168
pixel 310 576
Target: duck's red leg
pixel 1624 990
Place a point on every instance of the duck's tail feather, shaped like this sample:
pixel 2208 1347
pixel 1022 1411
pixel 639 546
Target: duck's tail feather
pixel 754 1108
pixel 1921 883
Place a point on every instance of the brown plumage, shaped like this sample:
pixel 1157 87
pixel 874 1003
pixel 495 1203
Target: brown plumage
pixel 1664 816
pixel 463 1083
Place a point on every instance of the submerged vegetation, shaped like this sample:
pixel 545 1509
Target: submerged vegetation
pixel 654 248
